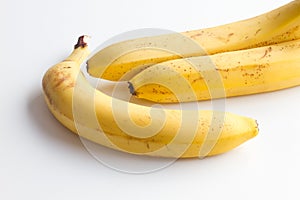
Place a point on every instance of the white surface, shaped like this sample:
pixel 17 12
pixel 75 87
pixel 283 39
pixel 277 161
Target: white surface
pixel 42 160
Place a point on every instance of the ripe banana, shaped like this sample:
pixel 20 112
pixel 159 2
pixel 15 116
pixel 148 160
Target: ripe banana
pixel 135 128
pixel 122 60
pixel 242 72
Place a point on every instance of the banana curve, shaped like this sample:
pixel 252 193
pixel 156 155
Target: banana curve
pixel 175 139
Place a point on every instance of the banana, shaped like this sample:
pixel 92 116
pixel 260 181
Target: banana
pixel 228 74
pixel 133 128
pixel 120 61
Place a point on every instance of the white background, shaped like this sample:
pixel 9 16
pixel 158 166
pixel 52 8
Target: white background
pixel 40 159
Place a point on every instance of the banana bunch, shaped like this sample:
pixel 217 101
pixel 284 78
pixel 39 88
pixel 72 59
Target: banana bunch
pixel 245 57
pixel 134 128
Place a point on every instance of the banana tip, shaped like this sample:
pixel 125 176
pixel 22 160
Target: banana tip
pixel 257 128
pixel 131 88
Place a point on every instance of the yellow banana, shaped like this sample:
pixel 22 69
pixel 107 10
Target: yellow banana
pixel 135 128
pixel 242 72
pixel 122 60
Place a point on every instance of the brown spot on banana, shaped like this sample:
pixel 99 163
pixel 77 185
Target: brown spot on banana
pixel 226 39
pixel 258 30
pixel 61 80
pixel 268 50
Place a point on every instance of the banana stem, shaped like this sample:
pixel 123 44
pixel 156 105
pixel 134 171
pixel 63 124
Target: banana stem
pixel 80 51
